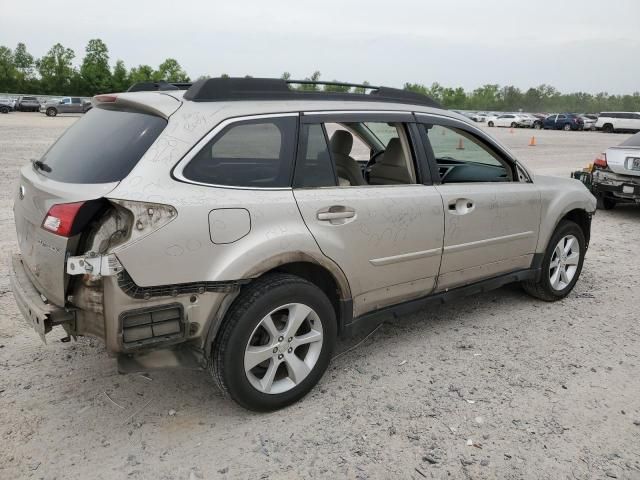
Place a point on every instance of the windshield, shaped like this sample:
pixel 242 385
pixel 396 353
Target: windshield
pixel 102 147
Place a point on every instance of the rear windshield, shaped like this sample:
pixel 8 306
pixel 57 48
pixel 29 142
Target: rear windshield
pixel 632 141
pixel 102 147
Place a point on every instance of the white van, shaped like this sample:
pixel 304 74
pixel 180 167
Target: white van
pixel 618 121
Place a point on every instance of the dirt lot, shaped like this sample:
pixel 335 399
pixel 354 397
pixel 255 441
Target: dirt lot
pixel 497 386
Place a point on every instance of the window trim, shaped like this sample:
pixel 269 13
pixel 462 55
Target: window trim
pixel 432 119
pixel 178 169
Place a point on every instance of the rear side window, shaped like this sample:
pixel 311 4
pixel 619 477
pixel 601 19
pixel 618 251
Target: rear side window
pixel 102 147
pixel 252 153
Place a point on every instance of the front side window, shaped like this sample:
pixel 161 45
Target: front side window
pixel 461 157
pixel 251 153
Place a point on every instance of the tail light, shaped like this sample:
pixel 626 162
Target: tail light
pixel 106 98
pixel 69 219
pixel 60 218
pixel 601 161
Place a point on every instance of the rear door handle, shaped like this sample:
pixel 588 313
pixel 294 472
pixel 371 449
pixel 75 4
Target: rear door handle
pixel 336 214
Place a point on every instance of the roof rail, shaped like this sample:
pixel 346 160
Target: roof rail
pixel 158 86
pixel 248 88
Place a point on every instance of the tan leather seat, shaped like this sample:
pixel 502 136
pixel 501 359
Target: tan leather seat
pixel 346 167
pixel 391 169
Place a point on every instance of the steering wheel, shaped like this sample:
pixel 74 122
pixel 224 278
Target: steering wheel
pixel 371 163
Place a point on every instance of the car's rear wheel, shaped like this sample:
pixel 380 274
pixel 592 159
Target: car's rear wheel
pixel 607 128
pixel 51 112
pixel 514 124
pixel 561 265
pixel 537 126
pixel 490 124
pixel 4 109
pixel 605 203
pixel 566 127
pixel 275 342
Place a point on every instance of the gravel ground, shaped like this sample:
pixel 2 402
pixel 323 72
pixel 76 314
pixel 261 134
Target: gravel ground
pixel 497 386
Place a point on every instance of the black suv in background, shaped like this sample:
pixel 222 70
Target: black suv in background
pixel 563 121
pixel 27 104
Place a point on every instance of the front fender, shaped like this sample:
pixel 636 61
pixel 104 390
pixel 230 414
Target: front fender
pixel 559 196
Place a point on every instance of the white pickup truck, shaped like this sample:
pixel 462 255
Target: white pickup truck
pixel 616 174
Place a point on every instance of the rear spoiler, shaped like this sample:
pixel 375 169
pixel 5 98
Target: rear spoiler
pixel 160 85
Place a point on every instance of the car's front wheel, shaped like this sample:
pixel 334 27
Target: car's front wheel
pixel 490 124
pixel 4 109
pixel 561 264
pixel 51 112
pixel 275 342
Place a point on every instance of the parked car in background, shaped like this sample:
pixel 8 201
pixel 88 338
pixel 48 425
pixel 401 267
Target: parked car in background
pixel 6 105
pixel 27 104
pixel 217 243
pixel 615 174
pixel 65 105
pixel 531 121
pixel 480 117
pixel 563 121
pixel 610 122
pixel 588 122
pixel 509 120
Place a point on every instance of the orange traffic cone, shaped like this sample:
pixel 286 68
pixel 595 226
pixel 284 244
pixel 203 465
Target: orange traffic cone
pixel 460 145
pixel 532 142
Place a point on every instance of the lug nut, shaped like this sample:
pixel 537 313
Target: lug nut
pixel 280 356
pixel 290 350
pixel 275 350
pixel 280 339
pixel 290 339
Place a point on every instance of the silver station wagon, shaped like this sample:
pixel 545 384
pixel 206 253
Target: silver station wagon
pixel 243 225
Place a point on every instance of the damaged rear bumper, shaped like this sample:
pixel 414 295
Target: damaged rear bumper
pixel 621 187
pixel 38 313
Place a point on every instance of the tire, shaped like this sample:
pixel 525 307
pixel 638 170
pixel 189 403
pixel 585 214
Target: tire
pixel 607 128
pixel 537 126
pixel 605 203
pixel 490 124
pixel 4 109
pixel 514 125
pixel 544 288
pixel 51 112
pixel 566 127
pixel 243 327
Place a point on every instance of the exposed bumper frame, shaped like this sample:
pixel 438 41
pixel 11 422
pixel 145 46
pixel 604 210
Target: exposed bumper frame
pixel 40 315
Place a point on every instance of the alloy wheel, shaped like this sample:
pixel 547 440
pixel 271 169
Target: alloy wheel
pixel 283 348
pixel 564 262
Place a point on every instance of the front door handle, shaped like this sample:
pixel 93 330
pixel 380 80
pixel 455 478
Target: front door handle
pixel 336 214
pixel 461 206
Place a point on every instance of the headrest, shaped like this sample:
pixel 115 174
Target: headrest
pixel 341 142
pixel 393 154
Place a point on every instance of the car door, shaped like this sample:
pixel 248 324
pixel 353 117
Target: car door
pixel 502 121
pixel 491 207
pixel 76 105
pixel 65 105
pixel 387 238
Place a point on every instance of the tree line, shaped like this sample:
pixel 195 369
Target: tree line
pixel 55 74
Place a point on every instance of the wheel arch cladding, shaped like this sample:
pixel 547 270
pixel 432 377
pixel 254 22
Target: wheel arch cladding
pixel 582 219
